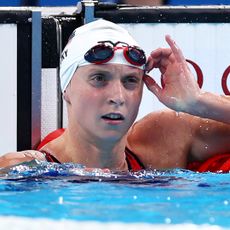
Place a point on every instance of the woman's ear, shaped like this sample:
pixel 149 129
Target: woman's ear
pixel 66 96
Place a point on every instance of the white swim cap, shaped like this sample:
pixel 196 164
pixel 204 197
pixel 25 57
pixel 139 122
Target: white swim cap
pixel 84 38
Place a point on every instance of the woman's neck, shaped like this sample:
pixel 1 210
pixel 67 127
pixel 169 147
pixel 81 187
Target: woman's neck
pixel 91 152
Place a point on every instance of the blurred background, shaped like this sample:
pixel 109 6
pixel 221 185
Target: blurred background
pixel 132 2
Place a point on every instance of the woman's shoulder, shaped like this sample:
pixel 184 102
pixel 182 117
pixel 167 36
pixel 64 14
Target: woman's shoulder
pixel 158 118
pixel 153 127
pixel 164 118
pixel 157 134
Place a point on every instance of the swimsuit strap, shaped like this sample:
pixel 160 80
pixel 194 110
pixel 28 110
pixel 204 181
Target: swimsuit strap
pixel 51 136
pixel 133 161
pixel 49 157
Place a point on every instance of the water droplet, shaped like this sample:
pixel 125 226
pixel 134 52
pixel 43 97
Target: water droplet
pixel 168 198
pixel 226 202
pixel 60 200
pixel 134 197
pixel 168 220
pixel 211 219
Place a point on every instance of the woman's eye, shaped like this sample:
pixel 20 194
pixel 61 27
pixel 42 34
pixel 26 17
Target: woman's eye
pixel 98 80
pixel 131 81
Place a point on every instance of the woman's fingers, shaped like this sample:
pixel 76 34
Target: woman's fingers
pixel 162 57
pixel 161 52
pixel 175 49
pixel 178 84
pixel 178 55
pixel 158 58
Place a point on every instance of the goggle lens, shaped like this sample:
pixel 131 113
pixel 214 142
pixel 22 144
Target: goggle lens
pixel 102 53
pixel 99 53
pixel 136 56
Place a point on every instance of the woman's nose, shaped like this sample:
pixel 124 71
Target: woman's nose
pixel 117 96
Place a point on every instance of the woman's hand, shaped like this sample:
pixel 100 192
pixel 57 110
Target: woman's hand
pixel 179 90
pixel 14 158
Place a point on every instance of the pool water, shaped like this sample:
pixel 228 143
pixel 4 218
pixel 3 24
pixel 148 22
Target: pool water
pixel 69 192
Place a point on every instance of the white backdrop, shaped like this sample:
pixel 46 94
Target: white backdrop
pixel 8 87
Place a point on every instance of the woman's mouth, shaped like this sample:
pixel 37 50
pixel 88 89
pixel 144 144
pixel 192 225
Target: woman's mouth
pixel 113 117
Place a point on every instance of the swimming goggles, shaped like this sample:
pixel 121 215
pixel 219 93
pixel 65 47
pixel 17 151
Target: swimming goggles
pixel 104 52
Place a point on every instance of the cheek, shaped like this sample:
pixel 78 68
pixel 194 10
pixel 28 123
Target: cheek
pixel 136 96
pixel 88 100
pixel 134 103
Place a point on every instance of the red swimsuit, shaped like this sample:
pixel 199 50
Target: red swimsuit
pixel 216 163
pixel 132 160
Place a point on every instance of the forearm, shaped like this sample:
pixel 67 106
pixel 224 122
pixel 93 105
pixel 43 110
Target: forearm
pixel 211 106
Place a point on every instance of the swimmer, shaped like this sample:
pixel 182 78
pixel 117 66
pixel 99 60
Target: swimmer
pixel 102 74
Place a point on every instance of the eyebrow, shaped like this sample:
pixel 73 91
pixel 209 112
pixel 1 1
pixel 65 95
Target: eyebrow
pixel 101 69
pixel 92 72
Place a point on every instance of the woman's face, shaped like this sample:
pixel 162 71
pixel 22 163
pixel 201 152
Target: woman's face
pixel 103 100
